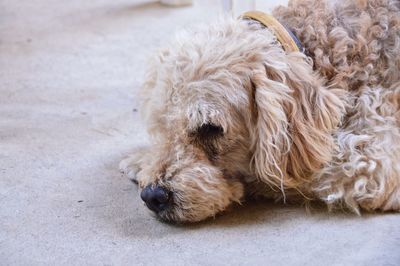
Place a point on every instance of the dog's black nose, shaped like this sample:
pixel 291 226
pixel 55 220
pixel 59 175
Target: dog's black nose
pixel 155 197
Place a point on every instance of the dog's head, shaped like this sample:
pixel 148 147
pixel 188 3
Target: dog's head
pixel 227 106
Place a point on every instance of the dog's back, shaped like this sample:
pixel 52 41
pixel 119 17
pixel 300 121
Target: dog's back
pixel 352 43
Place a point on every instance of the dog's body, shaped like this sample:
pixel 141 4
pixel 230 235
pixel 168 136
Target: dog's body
pixel 233 114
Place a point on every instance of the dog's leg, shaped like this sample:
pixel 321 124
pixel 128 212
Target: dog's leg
pixel 132 165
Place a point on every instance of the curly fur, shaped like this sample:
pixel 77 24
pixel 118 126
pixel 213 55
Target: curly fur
pixel 323 126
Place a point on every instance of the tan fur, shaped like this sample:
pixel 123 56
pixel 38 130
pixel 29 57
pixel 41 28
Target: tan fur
pixel 323 126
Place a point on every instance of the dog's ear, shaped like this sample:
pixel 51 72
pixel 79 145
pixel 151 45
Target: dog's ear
pixel 294 117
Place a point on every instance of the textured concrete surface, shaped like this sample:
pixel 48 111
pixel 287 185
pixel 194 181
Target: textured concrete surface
pixel 69 73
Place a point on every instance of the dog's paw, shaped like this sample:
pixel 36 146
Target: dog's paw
pixel 130 167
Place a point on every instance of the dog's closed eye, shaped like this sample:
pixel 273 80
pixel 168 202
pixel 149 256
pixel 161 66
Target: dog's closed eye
pixel 206 136
pixel 207 131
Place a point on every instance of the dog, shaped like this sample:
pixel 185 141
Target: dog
pixel 234 115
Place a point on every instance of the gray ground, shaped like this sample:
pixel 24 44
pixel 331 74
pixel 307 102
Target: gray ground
pixel 69 73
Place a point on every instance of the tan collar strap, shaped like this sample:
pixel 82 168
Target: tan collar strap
pixel 288 40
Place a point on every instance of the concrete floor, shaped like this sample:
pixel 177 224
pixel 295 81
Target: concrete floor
pixel 69 73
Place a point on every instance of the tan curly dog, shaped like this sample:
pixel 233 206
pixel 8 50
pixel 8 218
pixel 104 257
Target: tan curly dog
pixel 233 115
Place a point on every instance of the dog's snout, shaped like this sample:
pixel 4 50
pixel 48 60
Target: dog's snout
pixel 155 197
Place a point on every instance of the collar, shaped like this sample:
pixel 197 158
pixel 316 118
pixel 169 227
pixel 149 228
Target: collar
pixel 289 41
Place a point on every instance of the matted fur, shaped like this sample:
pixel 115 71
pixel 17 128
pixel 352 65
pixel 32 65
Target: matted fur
pixel 323 126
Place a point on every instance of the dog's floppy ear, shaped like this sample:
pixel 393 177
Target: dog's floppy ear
pixel 294 117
